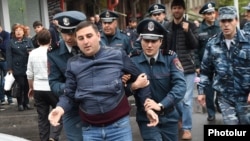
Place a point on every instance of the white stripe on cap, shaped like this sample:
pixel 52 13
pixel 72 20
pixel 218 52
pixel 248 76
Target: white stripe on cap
pixel 154 35
pixel 66 27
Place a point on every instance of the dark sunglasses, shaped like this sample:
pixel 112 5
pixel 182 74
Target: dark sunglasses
pixel 158 14
pixel 227 20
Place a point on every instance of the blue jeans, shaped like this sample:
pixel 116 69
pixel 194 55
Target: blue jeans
pixel 117 131
pixel 210 100
pixel 72 125
pixel 185 106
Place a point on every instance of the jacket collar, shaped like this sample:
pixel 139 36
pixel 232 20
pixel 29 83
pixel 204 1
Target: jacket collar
pixel 239 36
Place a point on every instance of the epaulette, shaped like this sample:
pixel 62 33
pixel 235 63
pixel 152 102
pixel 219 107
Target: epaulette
pixel 168 52
pixel 215 35
pixel 50 48
pixel 135 53
pixel 123 32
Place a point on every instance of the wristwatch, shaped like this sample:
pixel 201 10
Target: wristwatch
pixel 161 106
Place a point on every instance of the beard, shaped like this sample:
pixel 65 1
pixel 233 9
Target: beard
pixel 178 15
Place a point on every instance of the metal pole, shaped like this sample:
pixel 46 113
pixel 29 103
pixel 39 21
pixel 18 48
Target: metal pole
pixel 158 1
pixel 236 4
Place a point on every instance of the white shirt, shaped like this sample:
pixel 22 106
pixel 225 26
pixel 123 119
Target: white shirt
pixel 37 69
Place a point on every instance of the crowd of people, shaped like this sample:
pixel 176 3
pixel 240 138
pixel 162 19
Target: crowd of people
pixel 88 67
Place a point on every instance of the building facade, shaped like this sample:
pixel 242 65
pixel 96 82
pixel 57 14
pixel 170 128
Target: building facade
pixel 28 11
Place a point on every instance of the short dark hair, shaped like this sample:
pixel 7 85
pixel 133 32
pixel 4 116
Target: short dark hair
pixel 178 3
pixel 132 19
pixel 43 37
pixel 86 24
pixel 37 23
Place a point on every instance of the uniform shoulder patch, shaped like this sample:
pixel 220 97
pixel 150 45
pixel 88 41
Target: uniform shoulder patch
pixel 177 64
pixel 124 32
pixel 215 35
pixel 167 52
pixel 50 48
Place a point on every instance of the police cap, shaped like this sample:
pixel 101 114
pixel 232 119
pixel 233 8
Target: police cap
pixel 207 8
pixel 108 16
pixel 156 8
pixel 247 7
pixel 150 29
pixel 68 20
pixel 227 12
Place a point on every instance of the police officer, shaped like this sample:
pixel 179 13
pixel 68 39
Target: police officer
pixel 246 26
pixel 167 83
pixel 208 27
pixel 131 30
pixel 57 60
pixel 111 35
pixel 158 13
pixel 226 60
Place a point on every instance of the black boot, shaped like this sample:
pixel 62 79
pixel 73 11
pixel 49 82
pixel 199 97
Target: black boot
pixel 20 108
pixel 27 107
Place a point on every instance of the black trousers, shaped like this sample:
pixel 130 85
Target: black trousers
pixel 23 98
pixel 44 100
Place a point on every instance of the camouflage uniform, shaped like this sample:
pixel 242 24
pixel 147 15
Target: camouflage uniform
pixel 246 27
pixel 231 71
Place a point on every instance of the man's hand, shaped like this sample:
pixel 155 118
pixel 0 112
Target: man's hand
pixel 151 104
pixel 153 118
pixel 202 99
pixel 125 78
pixel 55 116
pixel 141 82
pixel 185 26
pixel 31 93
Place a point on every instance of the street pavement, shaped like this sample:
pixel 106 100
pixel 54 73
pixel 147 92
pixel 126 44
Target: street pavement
pixel 24 124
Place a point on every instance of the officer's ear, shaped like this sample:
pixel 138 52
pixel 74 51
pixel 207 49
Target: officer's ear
pixel 161 40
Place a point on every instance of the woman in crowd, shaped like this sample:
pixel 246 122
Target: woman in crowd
pixel 17 57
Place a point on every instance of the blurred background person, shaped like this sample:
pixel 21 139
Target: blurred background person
pixel 27 28
pixel 4 41
pixel 92 19
pixel 131 30
pixel 17 53
pixel 37 74
pixel 53 29
pixel 98 22
pixel 111 35
pixel 208 28
pixel 246 26
pixel 37 26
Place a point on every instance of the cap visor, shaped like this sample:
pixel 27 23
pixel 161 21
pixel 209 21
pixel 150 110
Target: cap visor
pixel 107 20
pixel 157 11
pixel 148 37
pixel 67 31
pixel 209 10
pixel 226 16
pixel 246 8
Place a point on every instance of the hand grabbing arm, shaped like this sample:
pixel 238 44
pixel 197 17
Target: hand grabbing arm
pixel 141 82
pixel 153 118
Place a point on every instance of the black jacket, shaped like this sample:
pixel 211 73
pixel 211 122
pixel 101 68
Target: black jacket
pixel 183 43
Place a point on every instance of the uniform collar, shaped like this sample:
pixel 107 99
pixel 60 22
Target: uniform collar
pixel 158 58
pixel 239 36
